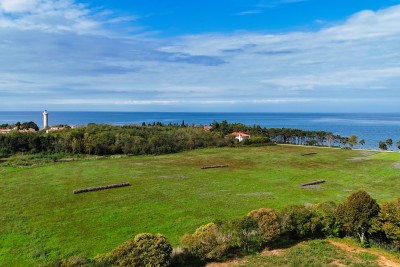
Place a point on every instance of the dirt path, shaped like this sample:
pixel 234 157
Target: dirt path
pixel 236 262
pixel 382 260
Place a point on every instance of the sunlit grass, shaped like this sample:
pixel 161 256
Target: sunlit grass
pixel 43 220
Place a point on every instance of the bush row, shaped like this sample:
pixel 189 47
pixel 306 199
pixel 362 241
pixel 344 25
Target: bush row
pixel 359 216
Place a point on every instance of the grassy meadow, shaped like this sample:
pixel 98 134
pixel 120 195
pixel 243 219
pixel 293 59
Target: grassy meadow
pixel 320 253
pixel 42 220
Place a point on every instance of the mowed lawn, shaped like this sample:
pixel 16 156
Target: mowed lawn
pixel 42 220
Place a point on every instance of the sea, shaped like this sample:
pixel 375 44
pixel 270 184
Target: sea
pixel 370 127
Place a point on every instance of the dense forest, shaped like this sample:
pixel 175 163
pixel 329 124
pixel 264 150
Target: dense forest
pixel 156 138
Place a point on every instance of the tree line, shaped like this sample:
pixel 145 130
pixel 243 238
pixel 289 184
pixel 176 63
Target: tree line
pixel 158 138
pixel 359 216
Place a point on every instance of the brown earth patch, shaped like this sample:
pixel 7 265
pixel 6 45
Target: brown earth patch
pixel 237 262
pixel 358 159
pixel 367 153
pixel 382 260
pixel 274 252
pixel 234 262
pixel 396 165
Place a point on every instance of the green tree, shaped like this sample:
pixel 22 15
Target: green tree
pixel 323 221
pixel 383 145
pixel 362 142
pixel 247 228
pixel 296 221
pixel 398 144
pixel 356 214
pixel 389 142
pixel 388 222
pixel 352 140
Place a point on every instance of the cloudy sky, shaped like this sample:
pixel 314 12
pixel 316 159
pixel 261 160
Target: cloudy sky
pixel 209 55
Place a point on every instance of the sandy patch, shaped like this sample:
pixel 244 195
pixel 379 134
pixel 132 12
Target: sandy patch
pixel 358 159
pixel 396 165
pixel 314 187
pixel 274 252
pixel 257 194
pixel 173 177
pixel 368 153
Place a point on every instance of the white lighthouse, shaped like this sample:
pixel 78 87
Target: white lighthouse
pixel 45 119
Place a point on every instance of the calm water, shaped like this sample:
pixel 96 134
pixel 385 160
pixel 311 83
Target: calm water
pixel 371 127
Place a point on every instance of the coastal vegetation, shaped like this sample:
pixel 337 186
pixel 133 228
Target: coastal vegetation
pixel 45 223
pixel 156 138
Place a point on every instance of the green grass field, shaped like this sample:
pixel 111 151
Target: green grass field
pixel 314 253
pixel 42 220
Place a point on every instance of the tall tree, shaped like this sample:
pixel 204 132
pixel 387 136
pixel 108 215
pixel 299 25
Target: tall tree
pixel 356 214
pixel 362 142
pixel 383 145
pixel 388 222
pixel 389 142
pixel 352 140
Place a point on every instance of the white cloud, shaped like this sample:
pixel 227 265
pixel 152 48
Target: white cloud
pixel 68 54
pixel 17 6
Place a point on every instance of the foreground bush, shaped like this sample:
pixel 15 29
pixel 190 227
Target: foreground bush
pixel 207 243
pixel 323 222
pixel 147 250
pixel 296 221
pixel 269 226
pixel 388 222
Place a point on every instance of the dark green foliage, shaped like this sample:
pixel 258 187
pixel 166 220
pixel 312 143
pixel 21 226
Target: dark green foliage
pixel 145 250
pixel 249 238
pixel 389 142
pixel 156 139
pixel 323 221
pixel 296 221
pixel 388 223
pixel 383 145
pixel 356 214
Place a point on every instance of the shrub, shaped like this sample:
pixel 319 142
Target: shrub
pixel 296 221
pixel 144 250
pixel 323 221
pixel 249 237
pixel 207 243
pixel 269 226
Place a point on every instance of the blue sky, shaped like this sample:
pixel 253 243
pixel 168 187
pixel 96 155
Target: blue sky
pixel 220 55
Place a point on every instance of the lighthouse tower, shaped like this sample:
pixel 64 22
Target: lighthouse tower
pixel 45 119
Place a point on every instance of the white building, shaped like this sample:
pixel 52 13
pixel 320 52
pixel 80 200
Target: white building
pixel 45 119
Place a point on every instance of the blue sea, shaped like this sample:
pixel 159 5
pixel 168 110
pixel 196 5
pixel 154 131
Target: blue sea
pixel 370 127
